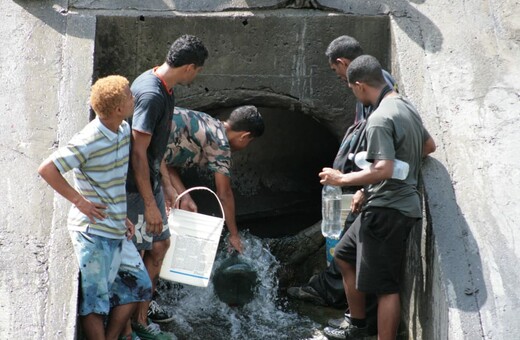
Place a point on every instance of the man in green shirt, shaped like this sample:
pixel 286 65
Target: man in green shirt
pixel 370 253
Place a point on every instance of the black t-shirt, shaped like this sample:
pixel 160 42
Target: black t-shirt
pixel 153 111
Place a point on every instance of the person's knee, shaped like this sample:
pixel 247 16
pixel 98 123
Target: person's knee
pixel 344 266
pixel 159 250
pixel 390 298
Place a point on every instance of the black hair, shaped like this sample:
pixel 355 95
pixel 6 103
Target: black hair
pixel 247 118
pixel 187 49
pixel 343 47
pixel 366 69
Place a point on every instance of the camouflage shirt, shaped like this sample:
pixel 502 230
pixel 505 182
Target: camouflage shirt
pixel 196 138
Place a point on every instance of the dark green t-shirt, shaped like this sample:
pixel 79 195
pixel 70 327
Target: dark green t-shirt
pixel 395 131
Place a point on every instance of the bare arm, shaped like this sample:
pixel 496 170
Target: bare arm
pixel 186 202
pixel 377 172
pixel 429 146
pixel 170 194
pixel 130 229
pixel 51 175
pixel 152 214
pixel 225 194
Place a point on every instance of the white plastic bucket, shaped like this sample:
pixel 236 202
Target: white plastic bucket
pixel 194 242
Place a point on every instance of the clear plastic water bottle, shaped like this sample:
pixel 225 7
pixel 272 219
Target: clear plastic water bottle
pixel 400 168
pixel 331 211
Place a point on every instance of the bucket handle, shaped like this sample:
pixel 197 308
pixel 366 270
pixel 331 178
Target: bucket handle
pixel 200 188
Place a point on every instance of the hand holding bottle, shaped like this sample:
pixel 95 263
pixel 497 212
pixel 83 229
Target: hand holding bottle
pixel 329 176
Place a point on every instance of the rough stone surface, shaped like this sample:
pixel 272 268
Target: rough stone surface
pixel 457 61
pixel 300 256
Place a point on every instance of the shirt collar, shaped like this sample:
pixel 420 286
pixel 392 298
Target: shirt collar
pixel 109 134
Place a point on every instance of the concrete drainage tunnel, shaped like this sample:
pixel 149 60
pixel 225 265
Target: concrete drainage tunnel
pixel 276 62
pixel 456 62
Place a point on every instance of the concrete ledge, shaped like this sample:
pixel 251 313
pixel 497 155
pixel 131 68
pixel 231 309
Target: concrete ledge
pixel 178 5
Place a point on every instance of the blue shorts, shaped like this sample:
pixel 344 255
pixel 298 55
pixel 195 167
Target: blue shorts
pixel 135 211
pixel 112 273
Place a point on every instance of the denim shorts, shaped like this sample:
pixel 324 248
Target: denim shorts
pixel 375 244
pixel 112 273
pixel 135 211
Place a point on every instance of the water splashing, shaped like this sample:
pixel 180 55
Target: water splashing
pixel 199 314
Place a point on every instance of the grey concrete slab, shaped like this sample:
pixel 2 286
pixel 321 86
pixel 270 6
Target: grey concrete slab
pixel 30 69
pixel 177 5
pixel 42 100
pixel 274 55
pixel 456 73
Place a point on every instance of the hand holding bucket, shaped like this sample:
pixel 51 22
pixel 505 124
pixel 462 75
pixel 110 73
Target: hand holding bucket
pixel 194 243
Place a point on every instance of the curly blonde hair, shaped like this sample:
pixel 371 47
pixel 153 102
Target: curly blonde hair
pixel 107 94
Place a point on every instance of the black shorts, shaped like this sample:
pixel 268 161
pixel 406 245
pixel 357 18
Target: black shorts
pixel 375 244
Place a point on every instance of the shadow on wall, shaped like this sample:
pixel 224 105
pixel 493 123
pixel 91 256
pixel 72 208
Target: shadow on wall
pixel 53 15
pixel 443 271
pixel 416 25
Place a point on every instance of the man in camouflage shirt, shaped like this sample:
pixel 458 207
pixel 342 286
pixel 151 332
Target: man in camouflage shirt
pixel 197 139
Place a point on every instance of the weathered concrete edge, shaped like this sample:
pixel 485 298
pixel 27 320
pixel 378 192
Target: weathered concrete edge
pixel 78 59
pixel 449 314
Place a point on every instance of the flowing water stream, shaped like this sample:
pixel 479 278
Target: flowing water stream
pixel 199 314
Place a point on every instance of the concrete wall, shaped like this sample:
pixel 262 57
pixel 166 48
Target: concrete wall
pixel 38 271
pixel 274 58
pixel 456 61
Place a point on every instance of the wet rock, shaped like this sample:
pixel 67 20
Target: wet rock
pixel 235 281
